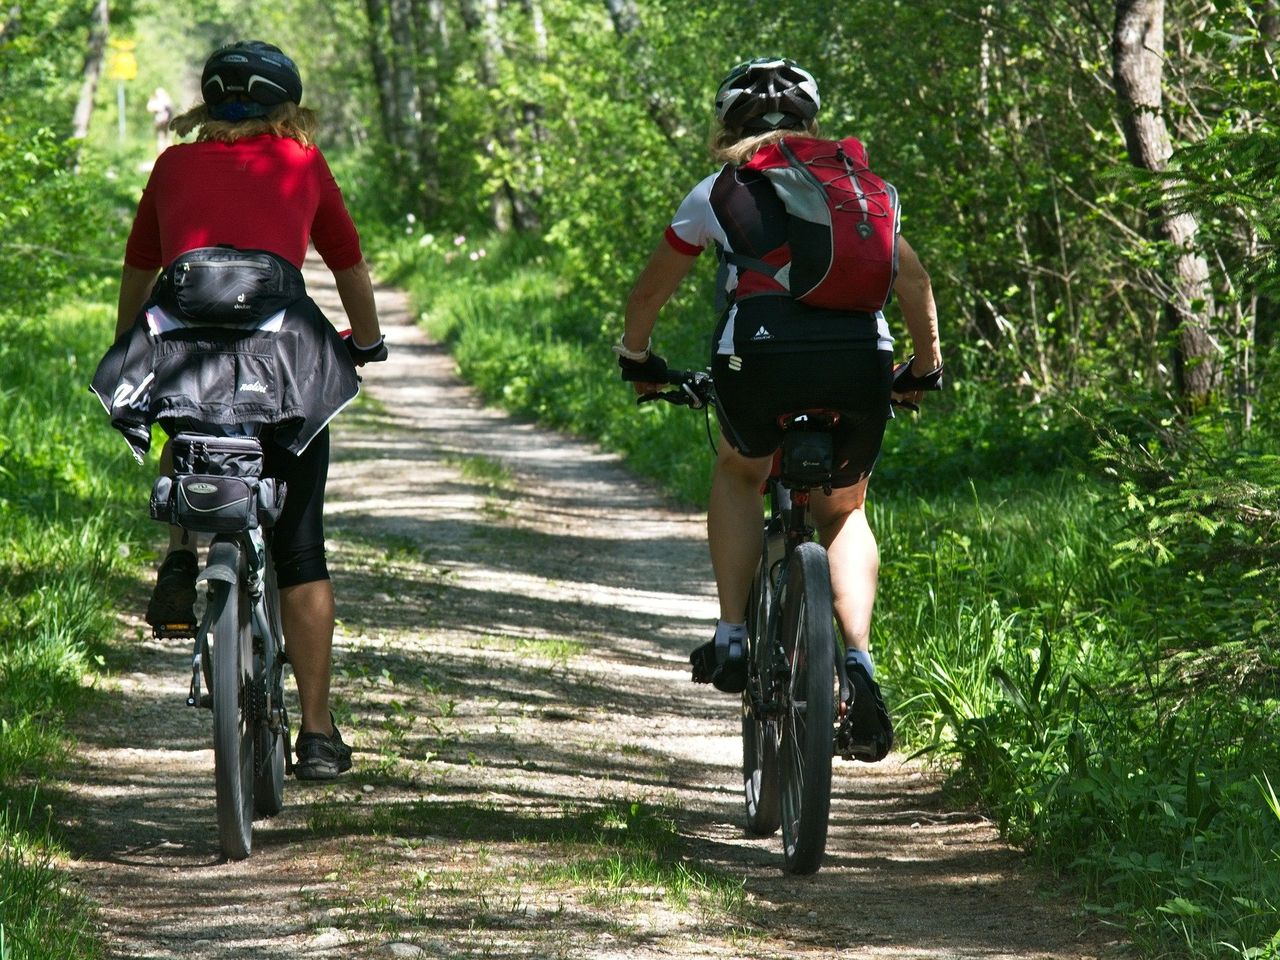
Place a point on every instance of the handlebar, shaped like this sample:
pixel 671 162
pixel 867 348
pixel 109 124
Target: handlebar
pixel 694 388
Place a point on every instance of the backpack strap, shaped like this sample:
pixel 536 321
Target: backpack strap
pixel 744 262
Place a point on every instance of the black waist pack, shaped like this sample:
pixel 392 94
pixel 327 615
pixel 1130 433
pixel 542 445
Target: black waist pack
pixel 228 286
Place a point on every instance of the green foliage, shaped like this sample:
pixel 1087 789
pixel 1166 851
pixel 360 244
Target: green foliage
pixel 51 218
pixel 70 518
pixel 39 919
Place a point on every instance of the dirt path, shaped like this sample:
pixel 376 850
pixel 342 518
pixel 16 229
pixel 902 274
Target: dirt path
pixel 534 777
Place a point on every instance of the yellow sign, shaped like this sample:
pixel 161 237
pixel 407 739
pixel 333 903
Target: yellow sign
pixel 121 63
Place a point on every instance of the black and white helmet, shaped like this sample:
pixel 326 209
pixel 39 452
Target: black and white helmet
pixel 768 93
pixel 248 78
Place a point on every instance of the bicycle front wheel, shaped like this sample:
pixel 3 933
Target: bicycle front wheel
pixel 232 726
pixel 759 729
pixel 809 716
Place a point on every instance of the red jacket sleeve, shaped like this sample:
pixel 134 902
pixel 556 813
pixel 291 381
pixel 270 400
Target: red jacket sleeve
pixel 143 247
pixel 333 231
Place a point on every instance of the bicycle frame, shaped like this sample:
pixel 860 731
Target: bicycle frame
pixel 790 523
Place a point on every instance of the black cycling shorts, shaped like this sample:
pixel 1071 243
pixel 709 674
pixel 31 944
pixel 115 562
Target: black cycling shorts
pixel 297 540
pixel 768 385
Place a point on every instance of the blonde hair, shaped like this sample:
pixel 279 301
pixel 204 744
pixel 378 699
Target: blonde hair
pixel 738 146
pixel 285 120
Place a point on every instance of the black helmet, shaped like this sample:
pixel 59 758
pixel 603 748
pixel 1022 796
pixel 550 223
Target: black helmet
pixel 768 93
pixel 248 78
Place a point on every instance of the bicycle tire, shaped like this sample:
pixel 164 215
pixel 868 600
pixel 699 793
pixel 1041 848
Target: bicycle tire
pixel 269 747
pixel 232 726
pixel 761 787
pixel 808 725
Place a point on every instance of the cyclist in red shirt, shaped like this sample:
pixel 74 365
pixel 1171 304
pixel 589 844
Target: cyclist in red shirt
pixel 255 180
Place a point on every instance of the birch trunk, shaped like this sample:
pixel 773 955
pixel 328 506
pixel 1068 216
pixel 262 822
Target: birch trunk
pixel 94 56
pixel 432 34
pixel 1137 65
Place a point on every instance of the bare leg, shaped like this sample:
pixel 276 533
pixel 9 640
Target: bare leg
pixel 307 612
pixel 734 519
pixel 854 557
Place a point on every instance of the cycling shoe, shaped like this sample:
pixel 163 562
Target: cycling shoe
pixel 321 757
pixel 866 732
pixel 174 598
pixel 727 676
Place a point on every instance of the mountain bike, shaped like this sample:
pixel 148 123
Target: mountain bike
pixel 238 659
pixel 795 705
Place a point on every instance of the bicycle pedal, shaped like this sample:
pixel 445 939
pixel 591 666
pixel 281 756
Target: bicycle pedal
pixel 171 631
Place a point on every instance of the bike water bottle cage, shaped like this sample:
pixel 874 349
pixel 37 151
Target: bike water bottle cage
pixel 808 456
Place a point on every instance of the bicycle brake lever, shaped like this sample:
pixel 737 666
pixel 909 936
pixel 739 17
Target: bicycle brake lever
pixel 694 400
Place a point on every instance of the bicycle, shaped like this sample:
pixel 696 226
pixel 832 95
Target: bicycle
pixel 238 655
pixel 795 706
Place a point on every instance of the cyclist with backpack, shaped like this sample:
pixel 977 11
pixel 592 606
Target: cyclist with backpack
pixel 810 251
pixel 229 218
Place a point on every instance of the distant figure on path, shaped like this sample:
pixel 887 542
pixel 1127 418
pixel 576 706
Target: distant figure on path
pixel 160 106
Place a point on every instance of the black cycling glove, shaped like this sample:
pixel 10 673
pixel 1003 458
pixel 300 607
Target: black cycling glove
pixel 652 369
pixel 904 381
pixel 362 355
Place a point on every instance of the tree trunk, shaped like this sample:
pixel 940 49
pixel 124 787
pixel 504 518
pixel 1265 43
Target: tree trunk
pixel 625 16
pixel 10 25
pixel 404 88
pixel 376 11
pixel 531 110
pixel 432 35
pixel 94 56
pixel 1137 53
pixel 511 206
pixel 626 24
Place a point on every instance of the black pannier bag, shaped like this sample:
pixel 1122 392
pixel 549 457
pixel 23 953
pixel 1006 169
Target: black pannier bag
pixel 228 286
pixel 217 486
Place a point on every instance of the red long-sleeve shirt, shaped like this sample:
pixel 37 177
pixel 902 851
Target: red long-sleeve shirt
pixel 262 193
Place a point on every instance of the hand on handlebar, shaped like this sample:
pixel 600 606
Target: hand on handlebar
pixel 374 353
pixel 908 388
pixel 693 389
pixel 648 375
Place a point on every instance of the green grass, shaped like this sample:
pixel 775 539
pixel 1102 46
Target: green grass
pixel 72 525
pixel 1085 640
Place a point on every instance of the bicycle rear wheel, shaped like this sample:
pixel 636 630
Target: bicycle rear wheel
pixel 269 747
pixel 232 726
pixel 808 723
pixel 761 789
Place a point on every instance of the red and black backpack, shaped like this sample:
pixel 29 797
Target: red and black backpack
pixel 842 226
